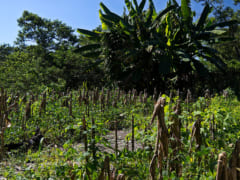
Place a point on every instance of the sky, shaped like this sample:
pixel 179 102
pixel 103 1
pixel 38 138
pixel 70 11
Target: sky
pixel 75 13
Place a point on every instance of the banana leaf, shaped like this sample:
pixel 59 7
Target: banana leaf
pixel 92 65
pixel 150 14
pixel 93 54
pixel 216 61
pixel 203 17
pixel 142 4
pixel 105 22
pixel 136 7
pixel 131 10
pixel 199 67
pixel 186 10
pixel 89 47
pixel 88 33
pixel 109 13
pixel 222 24
pixel 165 11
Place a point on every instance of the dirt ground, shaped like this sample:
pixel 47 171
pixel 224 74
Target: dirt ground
pixel 122 143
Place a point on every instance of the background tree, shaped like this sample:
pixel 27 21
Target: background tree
pixel 50 35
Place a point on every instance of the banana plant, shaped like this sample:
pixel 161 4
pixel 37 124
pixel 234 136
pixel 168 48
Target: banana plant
pixel 144 48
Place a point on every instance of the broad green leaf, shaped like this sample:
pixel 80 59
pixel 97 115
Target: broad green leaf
pixel 94 54
pixel 109 13
pixel 203 17
pixel 129 5
pixel 218 31
pixel 126 27
pixel 222 24
pixel 105 23
pixel 199 67
pixel 88 33
pixel 216 61
pixel 136 6
pixel 142 4
pixel 89 47
pixel 162 13
pixel 186 10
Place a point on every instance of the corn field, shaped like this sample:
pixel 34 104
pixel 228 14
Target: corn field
pixel 66 135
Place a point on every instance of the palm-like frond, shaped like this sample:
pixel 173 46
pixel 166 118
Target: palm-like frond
pixel 186 10
pixel 207 9
pixel 222 24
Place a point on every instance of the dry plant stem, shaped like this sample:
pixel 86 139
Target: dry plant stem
pixel 188 101
pixel 121 177
pixel 93 139
pixel 105 171
pixel 116 137
pixel 108 97
pixel 195 134
pixel 86 144
pixel 234 162
pixel 161 149
pixel 85 134
pixel 140 97
pixel 176 135
pixel 127 146
pixel 132 133
pixel 80 98
pixel 102 100
pixel 43 103
pixel 3 110
pixel 145 96
pixel 27 116
pixel 222 167
pixel 154 158
pixel 212 125
pixel 70 105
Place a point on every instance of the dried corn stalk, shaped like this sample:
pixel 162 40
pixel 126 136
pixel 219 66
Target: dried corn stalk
pixel 234 162
pixel 145 96
pixel 195 134
pixel 80 98
pixel 176 136
pixel 212 127
pixel 121 177
pixel 102 100
pixel 95 96
pixel 70 105
pixel 108 97
pixel 134 96
pixel 125 101
pixel 114 103
pixel 207 94
pixel 140 97
pixel 129 97
pixel 155 96
pixel 225 94
pixel 189 97
pixel 161 146
pixel 222 173
pixel 43 103
pixel 4 120
pixel 105 171
pixel 119 94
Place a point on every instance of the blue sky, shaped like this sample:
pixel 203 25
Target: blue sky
pixel 75 13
